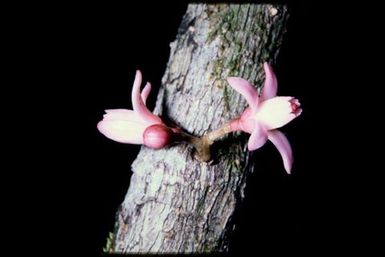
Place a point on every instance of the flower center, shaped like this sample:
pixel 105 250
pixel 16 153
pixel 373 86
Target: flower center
pixel 295 105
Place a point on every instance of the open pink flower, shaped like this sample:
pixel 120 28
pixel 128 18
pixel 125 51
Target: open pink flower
pixel 265 114
pixel 139 126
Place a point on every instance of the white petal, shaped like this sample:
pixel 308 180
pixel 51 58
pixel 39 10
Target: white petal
pixel 122 131
pixel 275 112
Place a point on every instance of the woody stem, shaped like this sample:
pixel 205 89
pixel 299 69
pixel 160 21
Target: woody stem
pixel 202 144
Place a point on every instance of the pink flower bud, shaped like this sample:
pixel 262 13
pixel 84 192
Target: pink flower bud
pixel 157 136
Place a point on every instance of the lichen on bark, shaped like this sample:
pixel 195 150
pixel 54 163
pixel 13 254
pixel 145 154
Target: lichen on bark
pixel 176 203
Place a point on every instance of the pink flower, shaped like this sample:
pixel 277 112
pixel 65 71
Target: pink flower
pixel 139 126
pixel 265 114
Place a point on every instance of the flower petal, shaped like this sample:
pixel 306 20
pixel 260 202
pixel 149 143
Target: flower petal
pixel 122 114
pixel 276 112
pixel 258 137
pixel 280 141
pixel 270 86
pixel 137 102
pixel 145 92
pixel 122 131
pixel 246 90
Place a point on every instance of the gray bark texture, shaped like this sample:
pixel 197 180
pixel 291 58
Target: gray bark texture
pixel 175 203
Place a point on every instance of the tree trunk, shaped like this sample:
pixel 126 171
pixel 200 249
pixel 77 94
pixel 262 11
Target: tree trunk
pixel 176 203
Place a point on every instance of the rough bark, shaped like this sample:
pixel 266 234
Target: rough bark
pixel 176 203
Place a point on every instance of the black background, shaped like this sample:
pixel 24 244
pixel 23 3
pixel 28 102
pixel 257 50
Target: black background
pixel 78 60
